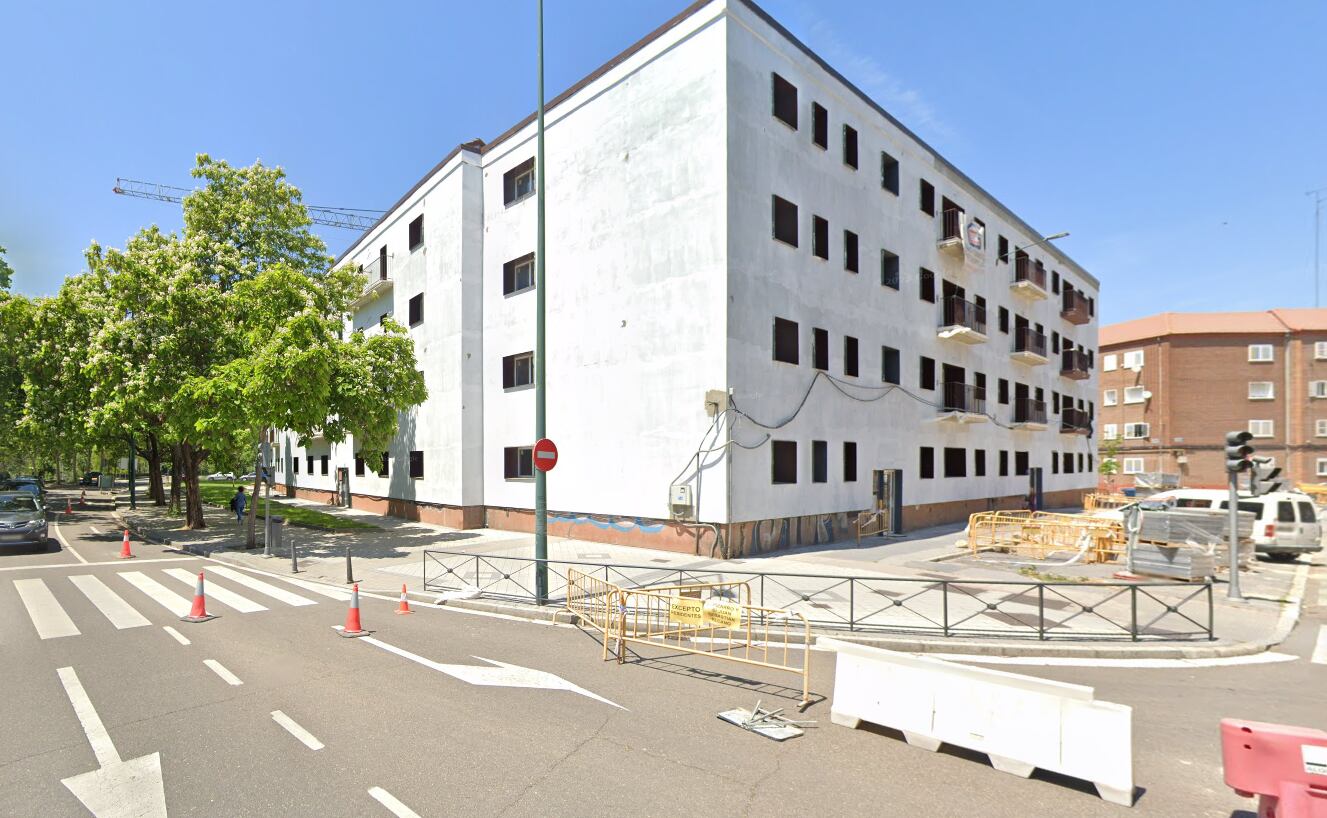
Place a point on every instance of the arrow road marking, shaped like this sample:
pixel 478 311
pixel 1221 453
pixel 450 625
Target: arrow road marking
pixel 502 675
pixel 118 789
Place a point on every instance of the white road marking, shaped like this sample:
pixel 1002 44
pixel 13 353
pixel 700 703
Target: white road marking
pixel 220 670
pixel 55 529
pixel 55 565
pixel 305 737
pixel 500 674
pixel 179 637
pixel 121 614
pixel 391 803
pixel 167 598
pixel 261 587
pixel 100 740
pixel 214 592
pixel 96 531
pixel 1320 651
pixel 1267 657
pixel 47 616
pixel 317 588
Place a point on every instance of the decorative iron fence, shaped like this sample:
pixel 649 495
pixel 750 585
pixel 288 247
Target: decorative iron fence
pixel 1026 609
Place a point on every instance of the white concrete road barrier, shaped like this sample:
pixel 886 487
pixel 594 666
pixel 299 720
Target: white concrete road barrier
pixel 1021 722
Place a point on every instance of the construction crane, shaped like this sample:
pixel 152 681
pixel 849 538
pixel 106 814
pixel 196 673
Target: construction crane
pixel 347 218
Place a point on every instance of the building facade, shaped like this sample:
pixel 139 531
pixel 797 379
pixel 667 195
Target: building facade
pixel 770 306
pixel 1173 385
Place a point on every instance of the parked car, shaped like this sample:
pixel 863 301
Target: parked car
pixel 22 520
pixel 29 485
pixel 221 475
pixel 90 478
pixel 248 478
pixel 1286 522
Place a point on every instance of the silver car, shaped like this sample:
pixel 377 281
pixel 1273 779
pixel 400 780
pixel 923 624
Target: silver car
pixel 22 521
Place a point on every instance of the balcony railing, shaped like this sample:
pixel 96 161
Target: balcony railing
pixel 1028 342
pixel 957 312
pixel 1029 277
pixel 1074 364
pixel 951 224
pixel 378 272
pixel 1075 421
pixel 1030 411
pixel 962 397
pixel 1074 306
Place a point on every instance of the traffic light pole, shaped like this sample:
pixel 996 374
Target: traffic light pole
pixel 1232 591
pixel 541 286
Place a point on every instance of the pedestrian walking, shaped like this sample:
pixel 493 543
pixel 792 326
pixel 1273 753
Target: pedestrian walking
pixel 237 504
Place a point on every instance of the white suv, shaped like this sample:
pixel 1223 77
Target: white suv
pixel 1286 523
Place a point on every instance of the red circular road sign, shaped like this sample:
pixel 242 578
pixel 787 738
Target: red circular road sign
pixel 545 455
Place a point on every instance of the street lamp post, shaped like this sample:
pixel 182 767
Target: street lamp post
pixel 541 286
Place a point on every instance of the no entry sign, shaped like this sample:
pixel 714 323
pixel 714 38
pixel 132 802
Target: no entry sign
pixel 545 455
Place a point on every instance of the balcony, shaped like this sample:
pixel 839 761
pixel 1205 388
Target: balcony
pixel 1029 346
pixel 1074 422
pixel 379 283
pixel 1074 364
pixel 1029 278
pixel 1074 307
pixel 951 241
pixel 962 321
pixel 963 403
pixel 1029 414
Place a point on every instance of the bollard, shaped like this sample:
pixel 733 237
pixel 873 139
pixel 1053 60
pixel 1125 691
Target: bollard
pixel 350 574
pixel 294 561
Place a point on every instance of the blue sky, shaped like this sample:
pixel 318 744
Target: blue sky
pixel 1175 140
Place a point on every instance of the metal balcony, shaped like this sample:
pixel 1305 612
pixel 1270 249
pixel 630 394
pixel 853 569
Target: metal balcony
pixel 1074 307
pixel 1029 414
pixel 951 241
pixel 379 283
pixel 1029 346
pixel 1074 364
pixel 962 321
pixel 1074 422
pixel 1029 278
pixel 963 403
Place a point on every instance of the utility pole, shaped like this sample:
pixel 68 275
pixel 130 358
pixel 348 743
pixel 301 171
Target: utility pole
pixel 541 286
pixel 133 477
pixel 1318 199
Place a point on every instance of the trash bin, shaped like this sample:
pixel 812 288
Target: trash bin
pixel 278 529
pixel 105 481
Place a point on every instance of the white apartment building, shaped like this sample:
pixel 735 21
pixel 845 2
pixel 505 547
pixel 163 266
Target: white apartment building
pixel 770 306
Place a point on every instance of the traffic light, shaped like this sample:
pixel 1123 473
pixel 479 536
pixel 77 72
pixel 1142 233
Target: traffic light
pixel 1238 451
pixel 1263 479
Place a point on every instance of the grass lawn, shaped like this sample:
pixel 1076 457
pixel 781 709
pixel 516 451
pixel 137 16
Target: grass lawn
pixel 220 492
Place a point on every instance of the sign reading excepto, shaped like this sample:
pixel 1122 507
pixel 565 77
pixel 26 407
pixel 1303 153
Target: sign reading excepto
pixel 686 611
pixel 722 614
pixel 545 454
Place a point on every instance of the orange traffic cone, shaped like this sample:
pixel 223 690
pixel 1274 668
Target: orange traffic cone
pixel 125 553
pixel 69 506
pixel 353 628
pixel 198 613
pixel 404 607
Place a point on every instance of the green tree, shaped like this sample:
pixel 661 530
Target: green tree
pixel 1110 461
pixel 6 272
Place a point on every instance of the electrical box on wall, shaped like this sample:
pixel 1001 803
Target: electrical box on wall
pixel 679 501
pixel 716 401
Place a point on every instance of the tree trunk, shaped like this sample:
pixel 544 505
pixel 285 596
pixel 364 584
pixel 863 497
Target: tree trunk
pixel 154 487
pixel 193 501
pixel 175 460
pixel 251 524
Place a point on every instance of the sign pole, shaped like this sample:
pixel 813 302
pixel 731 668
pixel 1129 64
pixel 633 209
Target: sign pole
pixel 1232 591
pixel 541 286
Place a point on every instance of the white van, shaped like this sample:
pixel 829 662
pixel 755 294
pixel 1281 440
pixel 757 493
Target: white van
pixel 1286 525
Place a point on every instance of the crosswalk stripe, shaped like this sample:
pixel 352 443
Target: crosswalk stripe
pixel 168 599
pixel 47 616
pixel 215 592
pixel 121 614
pixel 261 587
pixel 316 588
pixel 1320 652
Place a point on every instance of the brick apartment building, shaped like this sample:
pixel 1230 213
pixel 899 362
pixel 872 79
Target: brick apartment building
pixel 1173 384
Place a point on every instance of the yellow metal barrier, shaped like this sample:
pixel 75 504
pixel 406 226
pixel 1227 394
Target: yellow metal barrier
pixel 1317 491
pixel 1037 534
pixel 1100 502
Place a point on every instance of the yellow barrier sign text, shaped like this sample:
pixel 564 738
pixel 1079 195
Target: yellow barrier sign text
pixel 685 610
pixel 721 614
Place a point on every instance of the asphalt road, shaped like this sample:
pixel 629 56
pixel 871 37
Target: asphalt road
pixel 399 714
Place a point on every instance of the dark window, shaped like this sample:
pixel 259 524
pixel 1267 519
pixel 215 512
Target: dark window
pixel 518 274
pixel 889 365
pixel 417 309
pixel 820 237
pixel 783 455
pixel 1004 464
pixel 978 462
pixel 518 183
pixel 1020 463
pixel 888 269
pixel 819 461
pixel 785 101
pixel 1091 306
pixel 820 348
pixel 296 464
pixel 384 468
pixel 382 319
pixel 927 373
pixel 517 462
pixel 850 146
pixel 1055 282
pixel 1285 512
pixel 819 125
pixel 417 232
pixel 956 462
pixel 926 466
pixel 1004 320
pixel 849 356
pixel 849 462
pixel 1068 462
pixel 927 280
pixel 1080 462
pixel 359 465
pixel 785 221
pixel 889 173
pixel 1002 249
pixel 1055 402
pixel 382 263
pixel 1306 512
pixel 322 464
pixel 416 465
pixel 1003 387
pixel 517 370
pixel 1055 343
pixel 1055 462
pixel 927 198
pixel 785 341
pixel 308 461
pixel 850 251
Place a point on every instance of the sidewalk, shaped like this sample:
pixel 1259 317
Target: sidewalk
pixel 893 578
